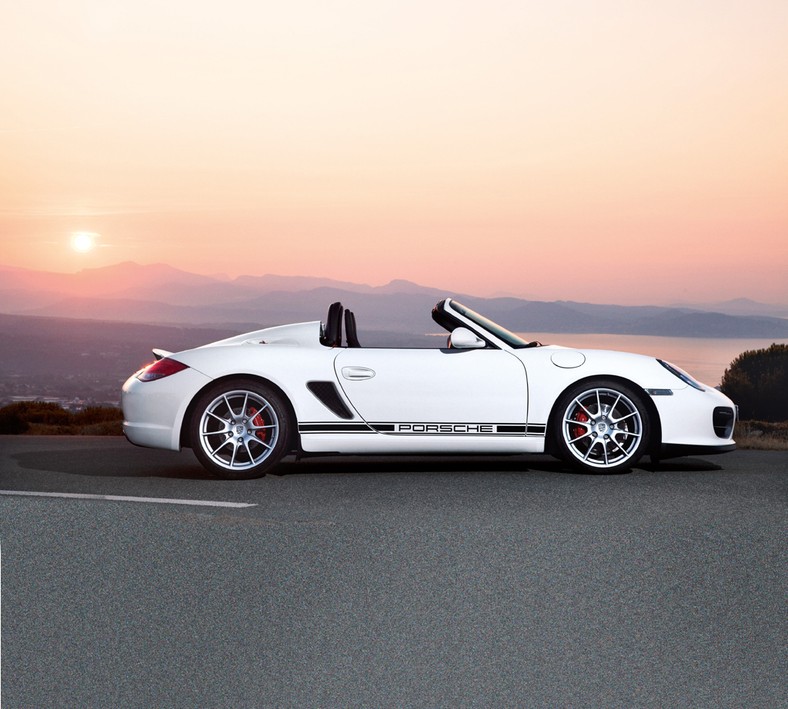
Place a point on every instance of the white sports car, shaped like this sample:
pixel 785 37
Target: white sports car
pixel 245 402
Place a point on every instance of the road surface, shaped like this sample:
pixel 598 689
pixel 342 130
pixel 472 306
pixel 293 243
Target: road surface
pixel 389 582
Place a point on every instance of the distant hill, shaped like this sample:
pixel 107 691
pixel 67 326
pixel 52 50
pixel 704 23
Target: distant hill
pixel 740 306
pixel 160 294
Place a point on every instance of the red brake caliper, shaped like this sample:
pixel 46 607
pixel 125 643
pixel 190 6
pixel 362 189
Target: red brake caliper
pixel 257 421
pixel 582 417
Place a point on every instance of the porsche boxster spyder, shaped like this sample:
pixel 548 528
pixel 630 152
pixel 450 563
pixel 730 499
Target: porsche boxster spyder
pixel 245 402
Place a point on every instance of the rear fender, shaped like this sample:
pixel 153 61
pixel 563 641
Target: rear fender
pixel 295 439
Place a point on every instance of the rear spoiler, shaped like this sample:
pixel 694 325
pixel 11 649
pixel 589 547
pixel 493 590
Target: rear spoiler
pixel 160 354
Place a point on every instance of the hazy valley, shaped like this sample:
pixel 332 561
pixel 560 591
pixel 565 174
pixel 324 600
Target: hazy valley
pixel 78 336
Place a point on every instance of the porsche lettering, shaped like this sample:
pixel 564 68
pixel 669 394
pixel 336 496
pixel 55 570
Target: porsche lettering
pixel 445 428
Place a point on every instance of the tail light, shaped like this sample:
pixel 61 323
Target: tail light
pixel 160 369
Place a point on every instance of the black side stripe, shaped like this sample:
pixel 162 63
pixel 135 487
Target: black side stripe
pixel 422 428
pixel 532 429
pixel 334 428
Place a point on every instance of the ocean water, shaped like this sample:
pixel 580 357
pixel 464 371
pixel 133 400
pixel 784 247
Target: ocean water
pixel 705 358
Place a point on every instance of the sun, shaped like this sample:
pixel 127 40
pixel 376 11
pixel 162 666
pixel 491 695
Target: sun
pixel 83 241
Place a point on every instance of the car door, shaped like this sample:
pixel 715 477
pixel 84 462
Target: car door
pixel 435 390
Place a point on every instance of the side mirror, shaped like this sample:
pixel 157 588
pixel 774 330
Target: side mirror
pixel 463 339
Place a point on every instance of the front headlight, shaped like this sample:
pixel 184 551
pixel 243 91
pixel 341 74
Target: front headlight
pixel 681 374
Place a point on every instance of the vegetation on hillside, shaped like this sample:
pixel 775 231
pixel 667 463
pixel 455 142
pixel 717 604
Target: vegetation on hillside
pixel 762 435
pixel 45 418
pixel 757 381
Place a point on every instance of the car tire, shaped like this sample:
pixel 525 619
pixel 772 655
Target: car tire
pixel 239 429
pixel 601 426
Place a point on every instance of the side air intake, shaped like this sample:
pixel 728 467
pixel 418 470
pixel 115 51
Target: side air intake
pixel 327 394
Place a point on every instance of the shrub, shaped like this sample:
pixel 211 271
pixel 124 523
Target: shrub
pixel 12 423
pixel 46 418
pixel 97 414
pixel 762 435
pixel 39 412
pixel 757 380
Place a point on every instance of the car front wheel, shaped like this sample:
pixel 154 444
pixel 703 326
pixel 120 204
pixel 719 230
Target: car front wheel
pixel 239 429
pixel 601 426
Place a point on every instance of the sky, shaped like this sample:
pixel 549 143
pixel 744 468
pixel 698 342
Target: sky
pixel 596 150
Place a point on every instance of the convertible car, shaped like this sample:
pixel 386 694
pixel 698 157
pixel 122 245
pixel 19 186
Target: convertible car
pixel 243 403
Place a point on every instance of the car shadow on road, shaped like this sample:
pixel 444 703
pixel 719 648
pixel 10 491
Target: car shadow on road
pixel 145 463
pixel 469 464
pixel 320 465
pixel 133 464
pixel 680 465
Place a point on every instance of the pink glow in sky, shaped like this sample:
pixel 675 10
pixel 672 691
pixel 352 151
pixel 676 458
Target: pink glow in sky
pixel 606 151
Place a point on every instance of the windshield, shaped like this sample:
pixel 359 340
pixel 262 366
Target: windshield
pixel 493 328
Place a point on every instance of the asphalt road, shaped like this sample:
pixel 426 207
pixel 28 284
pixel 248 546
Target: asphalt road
pixel 418 582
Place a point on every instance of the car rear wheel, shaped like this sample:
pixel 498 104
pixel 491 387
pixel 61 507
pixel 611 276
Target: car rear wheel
pixel 601 426
pixel 239 429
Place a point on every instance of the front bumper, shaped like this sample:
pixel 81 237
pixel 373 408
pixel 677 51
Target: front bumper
pixel 696 421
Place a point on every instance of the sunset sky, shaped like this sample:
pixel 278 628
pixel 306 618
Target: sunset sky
pixel 599 150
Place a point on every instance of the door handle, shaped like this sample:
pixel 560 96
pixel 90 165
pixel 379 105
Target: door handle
pixel 357 374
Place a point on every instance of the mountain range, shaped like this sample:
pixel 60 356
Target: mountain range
pixel 162 295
